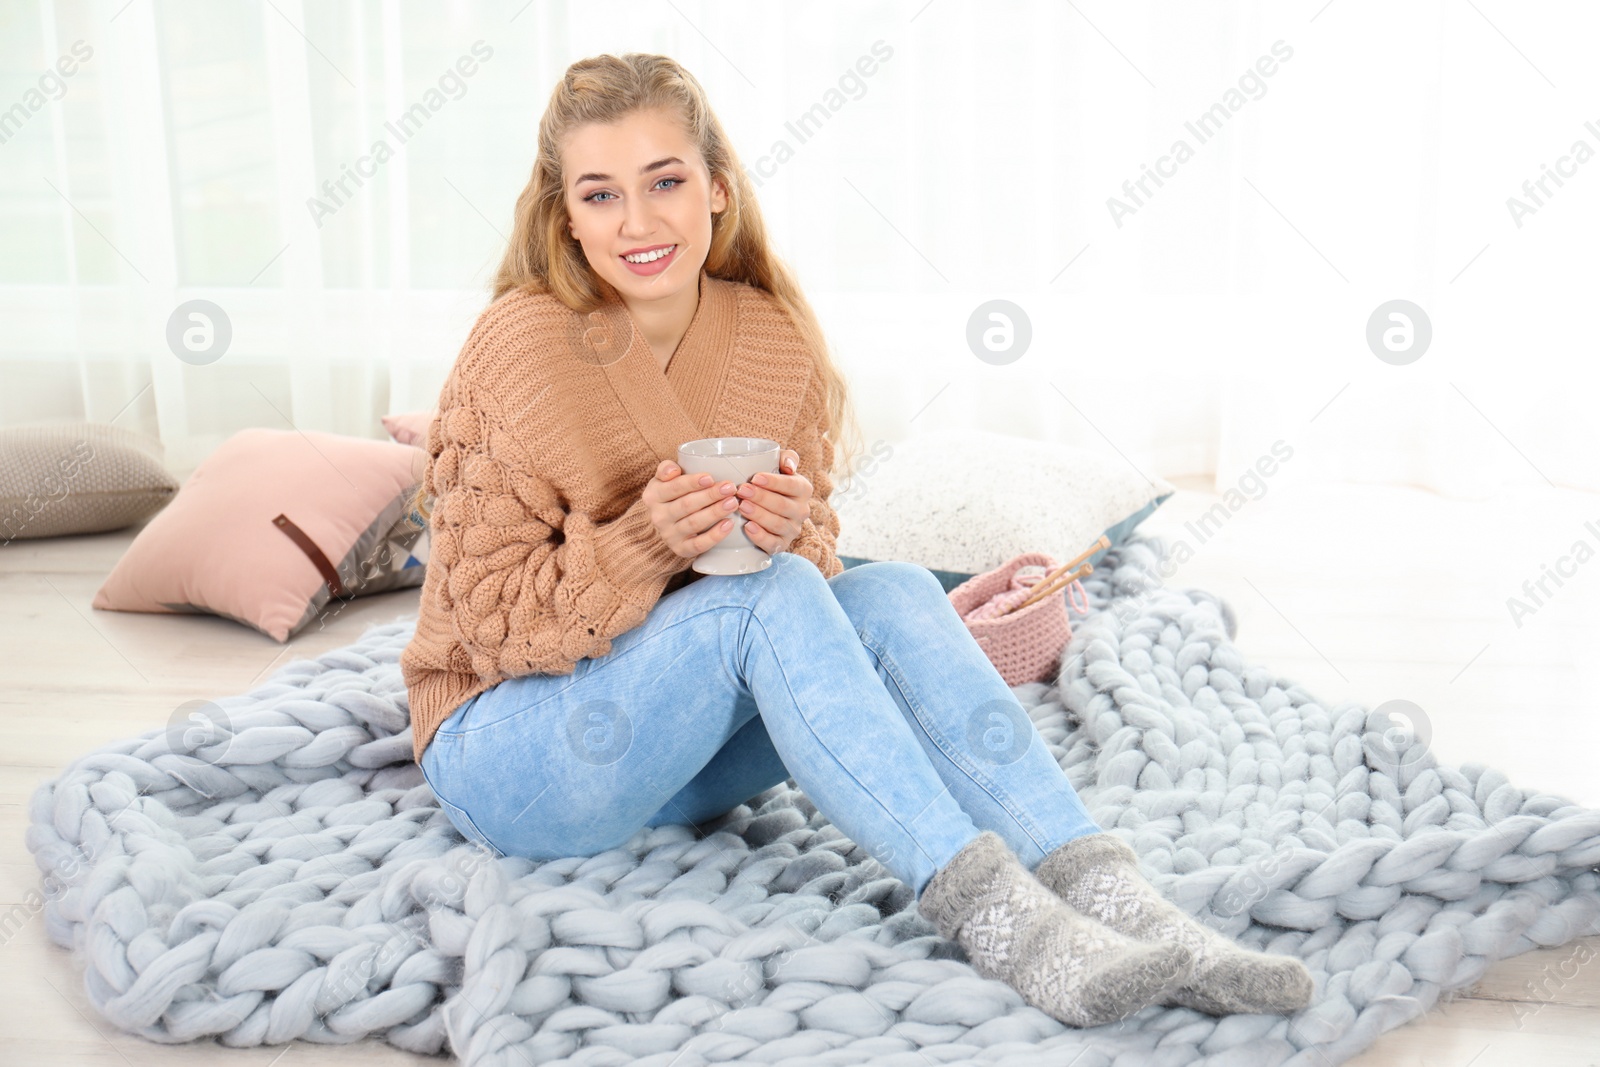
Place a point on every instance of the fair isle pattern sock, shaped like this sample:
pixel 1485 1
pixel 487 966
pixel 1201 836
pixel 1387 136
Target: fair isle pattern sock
pixel 1063 963
pixel 1099 875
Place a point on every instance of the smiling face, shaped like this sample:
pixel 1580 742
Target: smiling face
pixel 639 188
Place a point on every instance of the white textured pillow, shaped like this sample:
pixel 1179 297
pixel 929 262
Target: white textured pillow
pixel 960 502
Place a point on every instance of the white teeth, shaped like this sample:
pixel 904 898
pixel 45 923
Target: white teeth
pixel 650 257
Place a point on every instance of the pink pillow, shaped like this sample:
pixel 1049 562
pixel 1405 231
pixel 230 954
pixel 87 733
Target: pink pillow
pixel 410 428
pixel 271 526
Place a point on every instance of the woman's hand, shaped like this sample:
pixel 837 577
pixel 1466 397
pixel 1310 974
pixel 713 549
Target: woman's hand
pixel 689 515
pixel 774 505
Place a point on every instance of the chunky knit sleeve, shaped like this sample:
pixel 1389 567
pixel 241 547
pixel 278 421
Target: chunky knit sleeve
pixel 819 532
pixel 531 585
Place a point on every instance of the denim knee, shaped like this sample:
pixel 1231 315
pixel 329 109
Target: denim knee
pixel 889 585
pixel 788 565
pixel 738 590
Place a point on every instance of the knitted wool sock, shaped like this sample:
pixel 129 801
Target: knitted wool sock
pixel 1063 963
pixel 1099 875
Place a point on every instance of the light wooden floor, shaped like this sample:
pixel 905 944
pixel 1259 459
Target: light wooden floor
pixel 1360 593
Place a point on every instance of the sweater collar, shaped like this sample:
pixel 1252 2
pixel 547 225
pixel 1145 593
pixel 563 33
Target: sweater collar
pixel 679 404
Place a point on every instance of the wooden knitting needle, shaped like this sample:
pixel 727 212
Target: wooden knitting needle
pixel 1041 590
pixel 1053 581
pixel 1100 543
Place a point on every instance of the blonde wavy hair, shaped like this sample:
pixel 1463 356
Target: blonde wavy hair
pixel 539 258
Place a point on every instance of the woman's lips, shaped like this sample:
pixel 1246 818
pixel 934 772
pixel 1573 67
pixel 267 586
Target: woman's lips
pixel 655 266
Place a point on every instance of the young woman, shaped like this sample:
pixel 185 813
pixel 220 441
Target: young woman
pixel 572 682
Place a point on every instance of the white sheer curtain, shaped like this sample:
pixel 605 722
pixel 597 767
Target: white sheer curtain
pixel 915 161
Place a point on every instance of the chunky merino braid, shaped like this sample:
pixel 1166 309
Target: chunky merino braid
pixel 289 875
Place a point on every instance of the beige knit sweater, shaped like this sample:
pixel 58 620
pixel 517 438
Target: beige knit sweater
pixel 550 424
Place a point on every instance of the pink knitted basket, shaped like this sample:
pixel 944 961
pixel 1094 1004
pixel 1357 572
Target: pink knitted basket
pixel 1024 645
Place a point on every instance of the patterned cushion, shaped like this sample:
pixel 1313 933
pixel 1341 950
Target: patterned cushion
pixel 77 478
pixel 961 502
pixel 272 526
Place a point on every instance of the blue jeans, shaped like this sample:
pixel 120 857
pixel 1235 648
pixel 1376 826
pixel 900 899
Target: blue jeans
pixel 866 688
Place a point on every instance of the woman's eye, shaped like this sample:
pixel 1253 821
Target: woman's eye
pixel 591 197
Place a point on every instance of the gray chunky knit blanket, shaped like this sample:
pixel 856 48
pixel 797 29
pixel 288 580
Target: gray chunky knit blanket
pixel 278 869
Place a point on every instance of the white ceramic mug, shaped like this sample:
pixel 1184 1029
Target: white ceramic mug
pixel 730 459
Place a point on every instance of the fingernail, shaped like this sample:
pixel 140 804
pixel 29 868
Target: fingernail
pixel 760 479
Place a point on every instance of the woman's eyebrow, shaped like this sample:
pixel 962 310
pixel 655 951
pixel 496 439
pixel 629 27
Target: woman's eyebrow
pixel 592 176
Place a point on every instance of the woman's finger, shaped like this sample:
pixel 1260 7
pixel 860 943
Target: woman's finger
pixel 762 537
pixel 769 520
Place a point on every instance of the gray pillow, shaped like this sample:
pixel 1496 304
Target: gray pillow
pixel 961 502
pixel 78 477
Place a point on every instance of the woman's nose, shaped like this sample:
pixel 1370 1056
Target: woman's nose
pixel 637 220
